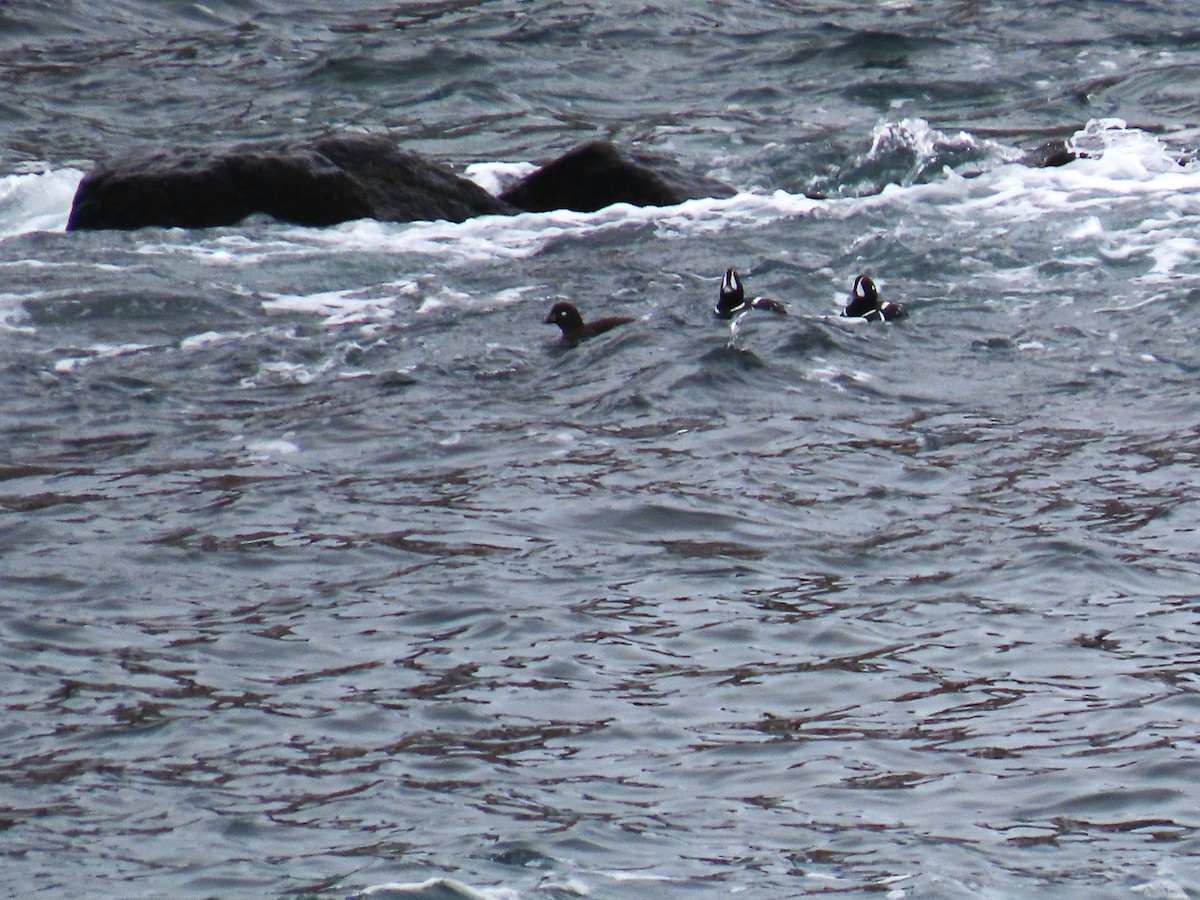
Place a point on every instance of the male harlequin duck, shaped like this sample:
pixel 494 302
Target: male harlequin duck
pixel 574 329
pixel 732 300
pixel 864 303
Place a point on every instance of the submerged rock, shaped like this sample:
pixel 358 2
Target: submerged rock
pixel 598 174
pixel 322 182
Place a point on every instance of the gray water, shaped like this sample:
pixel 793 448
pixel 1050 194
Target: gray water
pixel 324 567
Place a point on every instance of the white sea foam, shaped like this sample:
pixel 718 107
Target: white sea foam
pixel 367 306
pixel 496 177
pixel 560 885
pixel 283 373
pixel 1106 192
pixel 37 201
pixel 270 448
pixel 344 307
pixel 619 875
pixel 13 315
pixel 490 238
pixel 1171 255
pixel 442 297
pixel 98 351
pixel 438 887
pixel 1116 198
pixel 1091 227
pixel 1124 163
pixel 1123 151
pixel 914 138
pixel 833 377
pixel 1161 889
pixel 233 250
pixel 202 340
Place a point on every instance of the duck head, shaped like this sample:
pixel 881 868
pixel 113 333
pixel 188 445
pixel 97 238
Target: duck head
pixel 864 297
pixel 565 316
pixel 733 295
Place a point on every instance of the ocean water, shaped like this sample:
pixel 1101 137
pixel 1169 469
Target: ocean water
pixel 327 571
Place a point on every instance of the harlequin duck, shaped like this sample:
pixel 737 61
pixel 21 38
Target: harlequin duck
pixel 732 300
pixel 864 303
pixel 574 329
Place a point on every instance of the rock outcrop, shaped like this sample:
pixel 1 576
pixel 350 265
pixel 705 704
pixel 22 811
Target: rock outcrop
pixel 345 177
pixel 322 182
pixel 597 174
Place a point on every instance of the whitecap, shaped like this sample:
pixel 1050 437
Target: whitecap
pixel 497 177
pixel 1101 193
pixel 436 889
pixel 1170 256
pixel 564 885
pixel 443 297
pixel 1089 228
pixel 13 314
pixel 498 238
pixel 205 339
pixel 1161 889
pixel 833 377
pixel 619 875
pixel 342 307
pixel 269 448
pixel 37 201
pixel 479 240
pixel 98 351
pixel 1120 151
pixel 915 144
pixel 284 373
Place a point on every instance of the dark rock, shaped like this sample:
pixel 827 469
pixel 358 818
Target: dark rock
pixel 322 182
pixel 345 177
pixel 1049 155
pixel 402 186
pixel 597 174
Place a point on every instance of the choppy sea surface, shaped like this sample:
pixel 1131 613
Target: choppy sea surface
pixel 326 571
